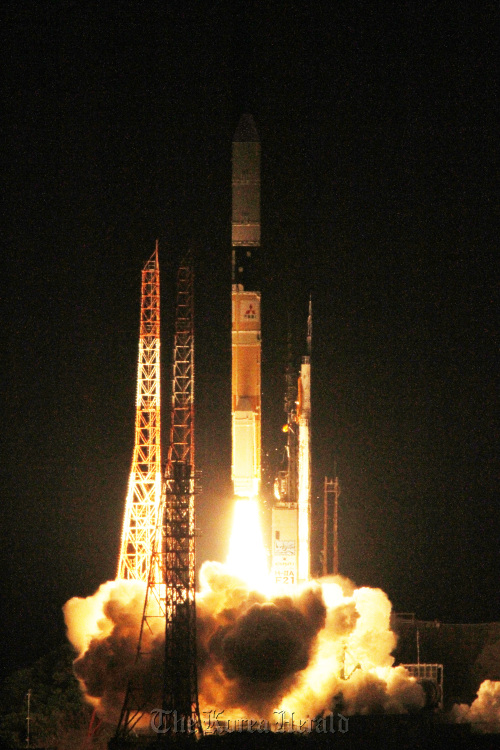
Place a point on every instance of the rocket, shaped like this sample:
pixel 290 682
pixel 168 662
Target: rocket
pixel 291 515
pixel 246 322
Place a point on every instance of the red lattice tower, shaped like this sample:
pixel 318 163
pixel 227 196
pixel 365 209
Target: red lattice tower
pixel 144 489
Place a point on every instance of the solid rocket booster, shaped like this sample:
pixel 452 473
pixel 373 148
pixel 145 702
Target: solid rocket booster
pixel 246 332
pixel 304 494
pixel 291 515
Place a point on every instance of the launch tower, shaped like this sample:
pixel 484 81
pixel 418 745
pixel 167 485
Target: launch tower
pixel 170 595
pixel 180 693
pixel 246 333
pixel 144 487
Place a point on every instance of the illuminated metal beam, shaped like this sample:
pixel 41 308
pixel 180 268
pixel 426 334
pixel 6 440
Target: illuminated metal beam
pixel 144 487
pixel 180 684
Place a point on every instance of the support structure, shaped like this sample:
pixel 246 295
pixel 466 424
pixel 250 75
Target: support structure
pixel 330 523
pixel 144 488
pixel 336 493
pixel 170 606
pixel 180 688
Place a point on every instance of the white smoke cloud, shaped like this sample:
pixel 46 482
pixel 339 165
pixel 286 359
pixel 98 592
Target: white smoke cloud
pixel 327 647
pixel 484 712
pixel 351 669
pixel 104 629
pixel 92 617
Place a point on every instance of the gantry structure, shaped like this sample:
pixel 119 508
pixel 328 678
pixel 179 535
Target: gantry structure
pixel 180 676
pixel 170 595
pixel 144 487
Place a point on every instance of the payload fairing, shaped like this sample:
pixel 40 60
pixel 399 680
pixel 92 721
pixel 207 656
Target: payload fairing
pixel 246 332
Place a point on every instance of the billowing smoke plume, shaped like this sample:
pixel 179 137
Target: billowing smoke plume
pixel 252 648
pixel 104 628
pixel 327 648
pixel 484 712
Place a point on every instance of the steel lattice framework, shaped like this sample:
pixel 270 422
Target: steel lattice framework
pixel 144 489
pixel 170 594
pixel 180 698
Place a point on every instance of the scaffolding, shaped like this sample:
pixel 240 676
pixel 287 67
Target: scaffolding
pixel 144 488
pixel 180 696
pixel 329 556
pixel 170 605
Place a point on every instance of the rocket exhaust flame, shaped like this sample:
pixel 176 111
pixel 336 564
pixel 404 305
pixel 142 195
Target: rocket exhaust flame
pixel 247 556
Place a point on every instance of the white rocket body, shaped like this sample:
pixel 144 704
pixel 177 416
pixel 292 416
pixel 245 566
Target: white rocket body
pixel 246 321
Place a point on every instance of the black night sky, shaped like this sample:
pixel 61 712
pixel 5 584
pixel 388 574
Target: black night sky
pixel 378 142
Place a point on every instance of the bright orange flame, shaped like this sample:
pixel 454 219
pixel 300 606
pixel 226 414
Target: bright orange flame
pixel 247 556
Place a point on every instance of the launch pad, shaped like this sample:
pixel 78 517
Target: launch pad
pixel 251 638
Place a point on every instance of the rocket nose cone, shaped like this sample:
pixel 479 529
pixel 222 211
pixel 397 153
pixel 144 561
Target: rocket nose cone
pixel 246 130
